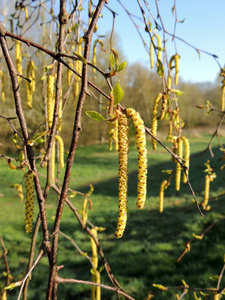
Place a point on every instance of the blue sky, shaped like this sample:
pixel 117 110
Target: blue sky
pixel 204 28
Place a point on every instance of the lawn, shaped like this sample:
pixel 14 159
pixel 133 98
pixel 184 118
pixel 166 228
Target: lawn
pixel 148 251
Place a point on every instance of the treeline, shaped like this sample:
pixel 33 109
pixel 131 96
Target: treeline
pixel 140 87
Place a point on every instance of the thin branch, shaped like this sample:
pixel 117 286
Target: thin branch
pixel 78 249
pixel 29 272
pixel 55 55
pixel 4 250
pixel 71 280
pixel 87 229
pixel 179 160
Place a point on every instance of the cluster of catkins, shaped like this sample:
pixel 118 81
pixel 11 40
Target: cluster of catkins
pixel 123 142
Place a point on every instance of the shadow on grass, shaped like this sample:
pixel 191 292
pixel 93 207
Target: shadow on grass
pixel 152 242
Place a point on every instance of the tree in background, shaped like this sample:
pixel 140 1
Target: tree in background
pixel 68 69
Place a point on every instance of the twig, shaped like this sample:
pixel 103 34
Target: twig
pixel 179 160
pixel 4 250
pixel 28 273
pixel 87 229
pixel 71 280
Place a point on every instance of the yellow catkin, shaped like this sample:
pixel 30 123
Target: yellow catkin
pixel 29 201
pixel 78 68
pixel 151 54
pixel 142 155
pixel 2 86
pixel 98 288
pixel 94 249
pixel 115 133
pixel 111 131
pixel 84 211
pixel 59 126
pixel 163 186
pixel 123 142
pixel 89 12
pixel 52 167
pixel 50 99
pixel 78 62
pixel 30 86
pixel 61 150
pixel 95 273
pixel 186 157
pixel 69 72
pixel 178 168
pixel 164 107
pixel 170 132
pixel 154 119
pixel 223 96
pixel 169 83
pixel 19 189
pixel 207 187
pixel 26 13
pixel 176 59
pixel 19 60
pixel 159 49
pixel 159 46
pixel 94 53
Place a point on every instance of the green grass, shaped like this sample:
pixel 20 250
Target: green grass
pixel 152 242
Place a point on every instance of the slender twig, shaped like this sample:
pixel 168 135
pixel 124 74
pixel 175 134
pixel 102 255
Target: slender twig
pixel 4 250
pixel 29 272
pixel 78 249
pixel 216 132
pixel 71 280
pixel 201 235
pixel 8 119
pixel 180 161
pixel 55 55
pixel 87 229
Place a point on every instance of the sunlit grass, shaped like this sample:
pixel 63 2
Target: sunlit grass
pixel 152 242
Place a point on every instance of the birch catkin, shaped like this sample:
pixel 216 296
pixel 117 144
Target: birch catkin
pixel 176 59
pixel 123 133
pixel 186 158
pixel 159 46
pixel 29 201
pixel 154 119
pixel 223 96
pixel 2 86
pixel 178 168
pixel 61 150
pixel 163 186
pixel 142 156
pixel 50 99
pixel 96 291
pixel 19 60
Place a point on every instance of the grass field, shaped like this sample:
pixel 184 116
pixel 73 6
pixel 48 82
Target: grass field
pixel 152 242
